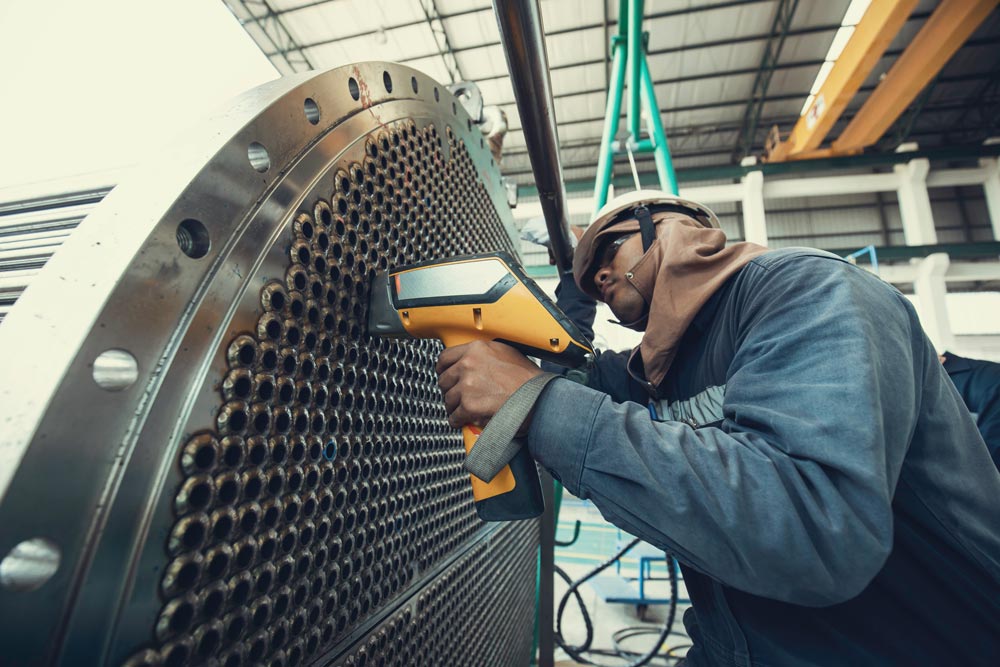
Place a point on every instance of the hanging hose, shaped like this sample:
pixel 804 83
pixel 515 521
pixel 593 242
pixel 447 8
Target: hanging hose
pixel 577 652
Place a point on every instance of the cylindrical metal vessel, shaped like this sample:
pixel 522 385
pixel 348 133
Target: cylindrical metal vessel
pixel 205 457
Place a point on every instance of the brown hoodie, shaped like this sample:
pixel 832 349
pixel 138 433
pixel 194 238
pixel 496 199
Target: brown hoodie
pixel 682 269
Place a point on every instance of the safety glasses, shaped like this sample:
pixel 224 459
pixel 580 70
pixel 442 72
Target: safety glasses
pixel 608 255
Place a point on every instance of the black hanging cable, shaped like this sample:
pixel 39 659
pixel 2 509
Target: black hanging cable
pixel 577 652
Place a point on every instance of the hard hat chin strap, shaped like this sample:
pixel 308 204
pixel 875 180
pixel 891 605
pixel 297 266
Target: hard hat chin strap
pixel 646 227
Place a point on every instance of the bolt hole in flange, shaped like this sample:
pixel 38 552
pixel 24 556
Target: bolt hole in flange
pixel 115 370
pixel 387 81
pixel 311 110
pixel 258 156
pixel 193 238
pixel 352 85
pixel 29 564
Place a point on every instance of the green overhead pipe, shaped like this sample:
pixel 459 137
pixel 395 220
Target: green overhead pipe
pixel 635 59
pixel 611 115
pixel 644 146
pixel 661 153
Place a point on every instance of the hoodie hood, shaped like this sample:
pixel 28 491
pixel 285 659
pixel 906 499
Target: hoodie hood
pixel 685 265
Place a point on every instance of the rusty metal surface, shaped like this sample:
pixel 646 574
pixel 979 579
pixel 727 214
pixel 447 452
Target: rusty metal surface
pixel 230 470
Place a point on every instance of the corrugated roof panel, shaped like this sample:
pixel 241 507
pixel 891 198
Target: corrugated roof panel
pixel 800 48
pixel 561 15
pixel 496 91
pixel 259 36
pixel 447 7
pixel 819 13
pixel 432 66
pixel 710 61
pixel 330 55
pixel 581 131
pixel 715 77
pixel 364 15
pixel 707 136
pixel 570 48
pixel 974 60
pixel 785 109
pixel 399 44
pixel 703 92
pixel 301 5
pixel 681 121
pixel 708 24
pixel 577 107
pixel 793 80
pixel 470 30
pixel 481 63
pixel 240 11
pixel 590 77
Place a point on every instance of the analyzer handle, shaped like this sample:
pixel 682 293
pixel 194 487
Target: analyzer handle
pixel 515 493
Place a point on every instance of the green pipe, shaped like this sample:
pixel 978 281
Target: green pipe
pixel 664 165
pixel 557 487
pixel 644 146
pixel 635 60
pixel 605 159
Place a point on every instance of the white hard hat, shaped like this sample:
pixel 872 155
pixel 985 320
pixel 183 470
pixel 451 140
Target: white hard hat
pixel 632 200
pixel 621 209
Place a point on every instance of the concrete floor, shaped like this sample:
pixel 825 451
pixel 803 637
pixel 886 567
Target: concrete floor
pixel 597 542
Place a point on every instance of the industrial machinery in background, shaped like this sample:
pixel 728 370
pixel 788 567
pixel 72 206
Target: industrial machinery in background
pixel 206 456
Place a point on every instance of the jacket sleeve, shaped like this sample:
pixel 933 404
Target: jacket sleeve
pixel 790 497
pixel 579 307
pixel 608 372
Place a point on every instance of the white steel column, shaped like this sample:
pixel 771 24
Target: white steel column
pixel 754 226
pixel 918 229
pixel 991 186
pixel 930 291
pixel 914 203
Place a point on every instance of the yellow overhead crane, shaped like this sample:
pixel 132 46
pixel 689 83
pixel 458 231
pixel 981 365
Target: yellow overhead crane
pixel 942 35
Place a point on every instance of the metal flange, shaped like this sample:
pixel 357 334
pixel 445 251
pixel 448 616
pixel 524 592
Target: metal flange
pixel 202 447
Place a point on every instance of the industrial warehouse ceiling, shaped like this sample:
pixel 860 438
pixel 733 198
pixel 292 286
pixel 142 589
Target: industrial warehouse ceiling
pixel 718 98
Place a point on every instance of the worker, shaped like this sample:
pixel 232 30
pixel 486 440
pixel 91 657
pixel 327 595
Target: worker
pixel 978 382
pixel 784 429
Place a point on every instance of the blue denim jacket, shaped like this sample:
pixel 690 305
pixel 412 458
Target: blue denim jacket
pixel 812 468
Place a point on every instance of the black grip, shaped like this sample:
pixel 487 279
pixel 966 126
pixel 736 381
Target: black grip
pixel 524 501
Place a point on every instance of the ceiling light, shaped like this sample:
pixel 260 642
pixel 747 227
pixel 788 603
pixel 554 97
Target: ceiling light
pixel 855 11
pixel 839 42
pixel 852 16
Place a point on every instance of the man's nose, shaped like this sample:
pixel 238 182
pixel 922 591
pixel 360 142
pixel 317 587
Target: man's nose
pixel 601 276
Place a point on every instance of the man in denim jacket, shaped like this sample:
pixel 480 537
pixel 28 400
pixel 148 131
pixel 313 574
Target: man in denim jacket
pixel 810 464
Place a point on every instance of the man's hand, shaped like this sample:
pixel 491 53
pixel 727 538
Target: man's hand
pixel 478 377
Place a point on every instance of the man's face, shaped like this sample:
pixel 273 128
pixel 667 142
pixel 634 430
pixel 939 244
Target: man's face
pixel 617 258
